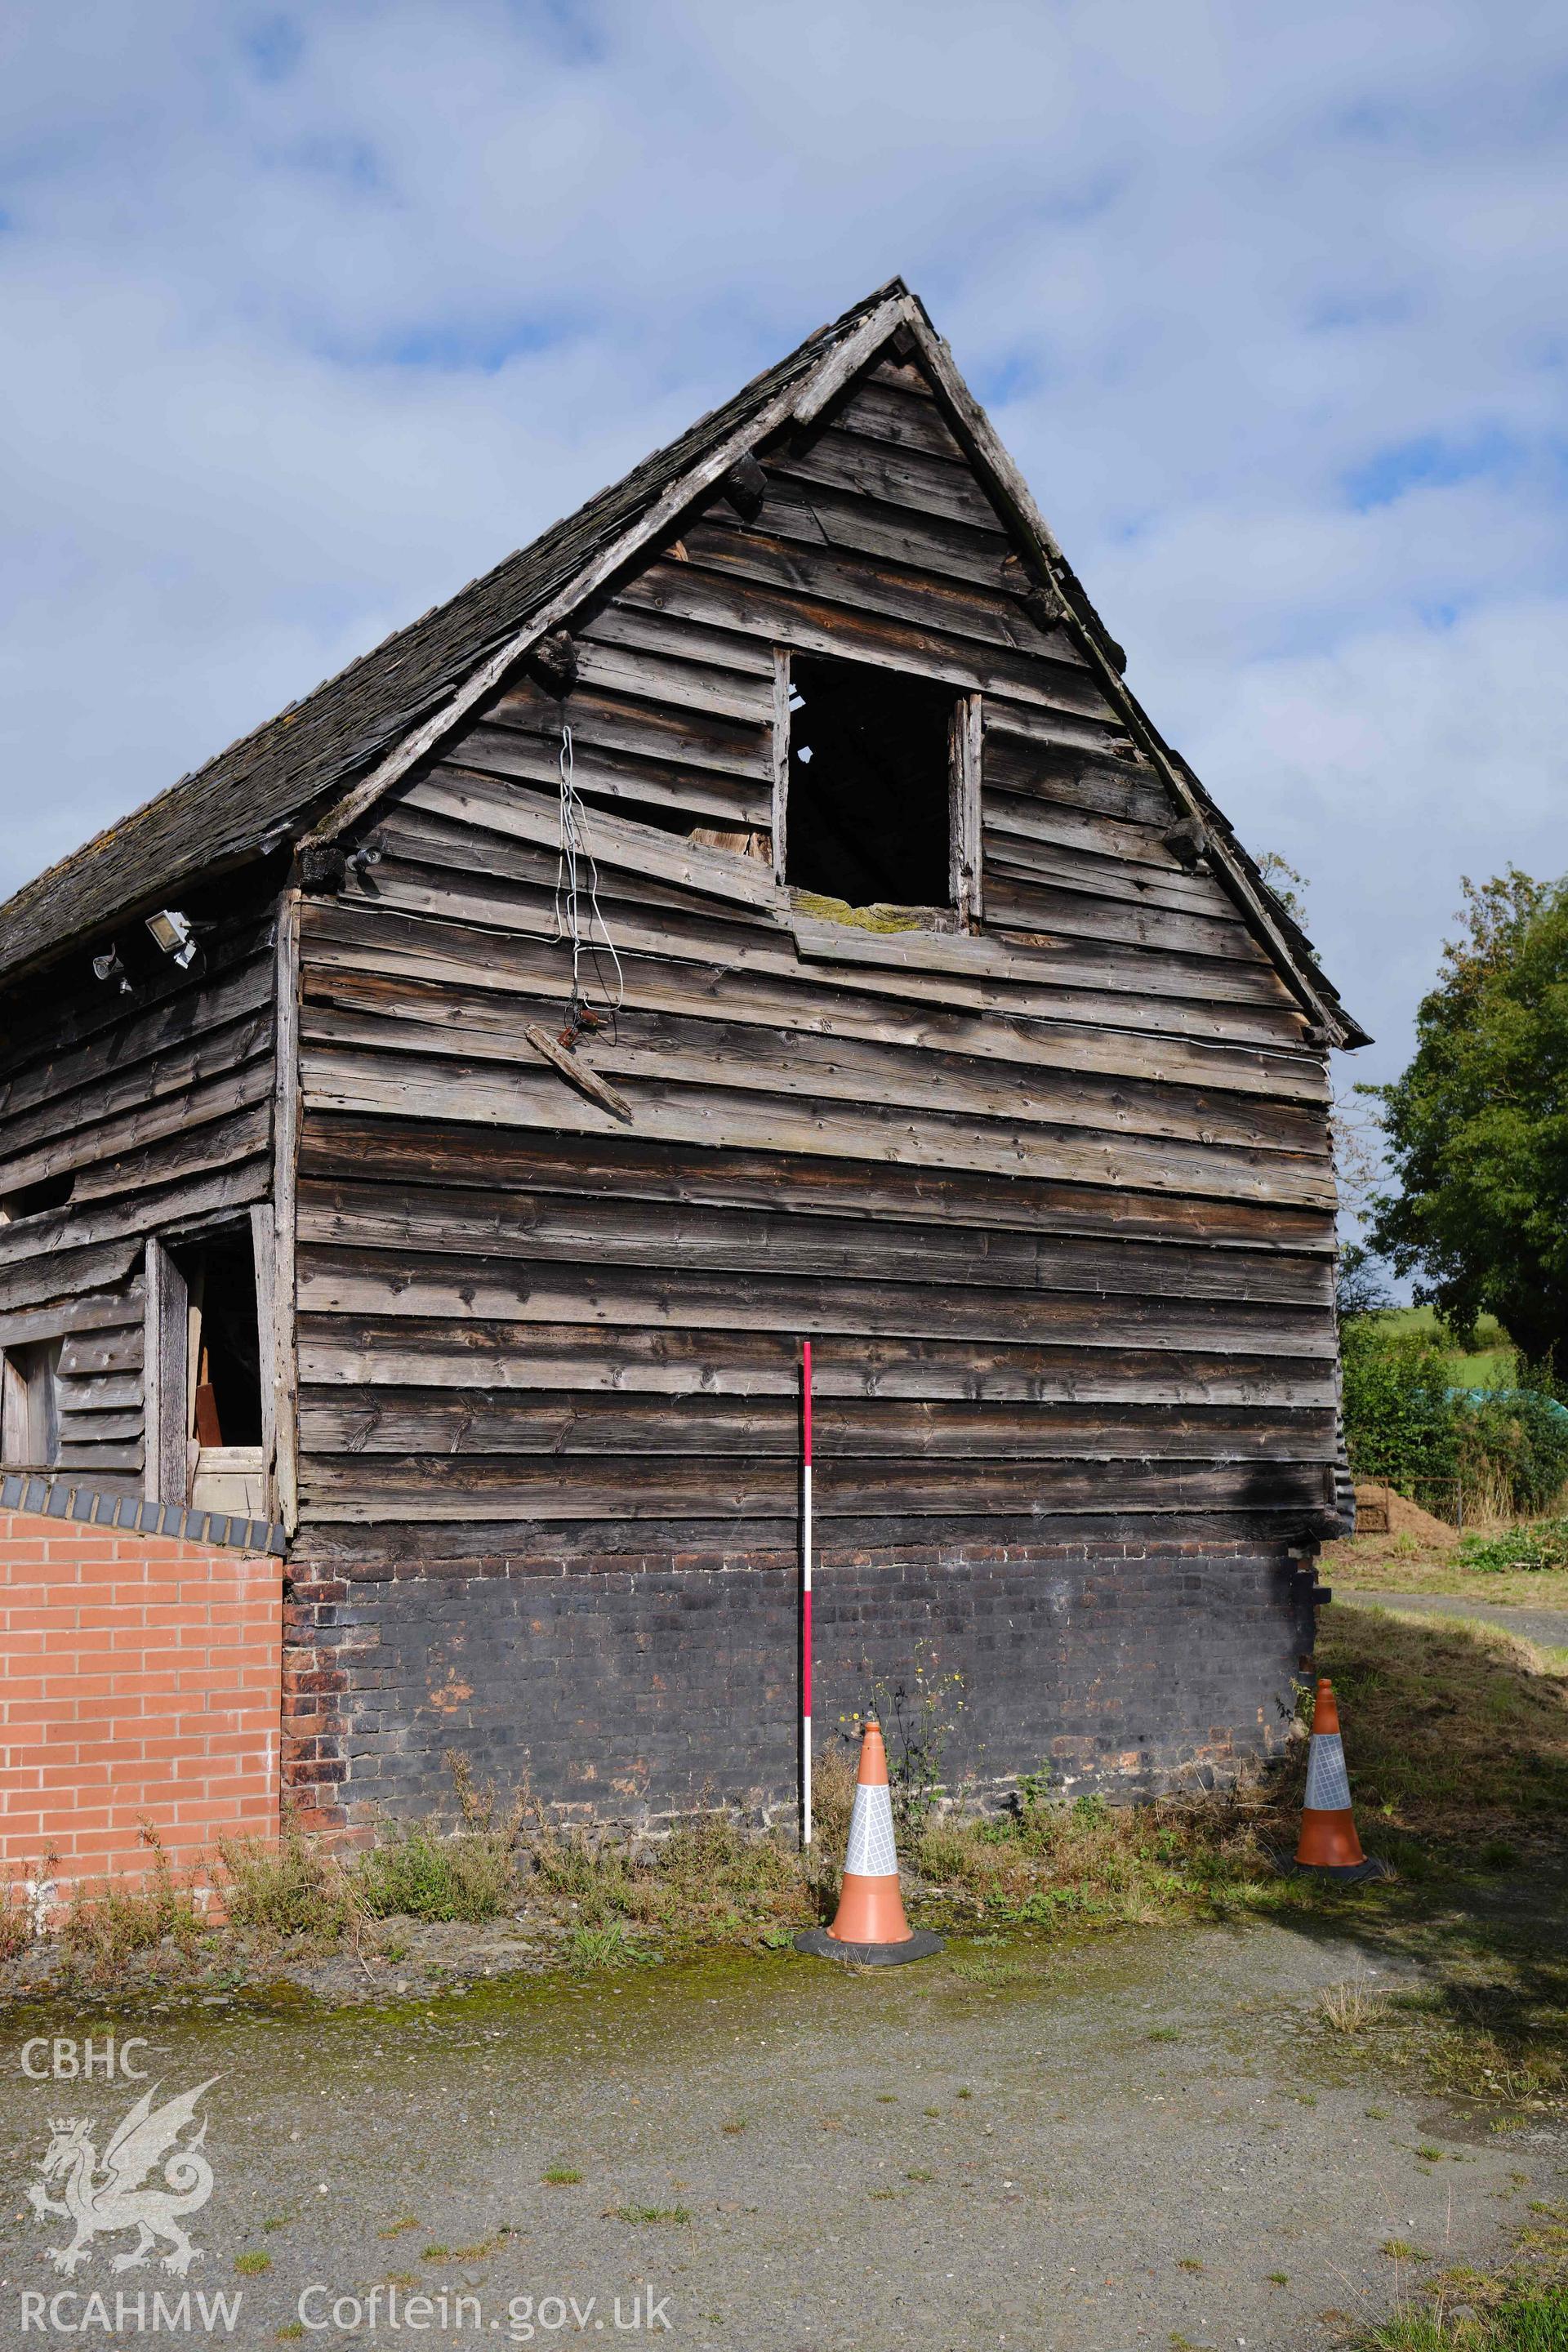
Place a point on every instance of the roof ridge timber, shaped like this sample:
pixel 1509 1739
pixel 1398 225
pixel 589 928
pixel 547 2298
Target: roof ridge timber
pixel 539 587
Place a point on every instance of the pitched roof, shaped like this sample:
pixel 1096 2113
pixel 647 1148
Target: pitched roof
pixel 356 731
pixel 280 773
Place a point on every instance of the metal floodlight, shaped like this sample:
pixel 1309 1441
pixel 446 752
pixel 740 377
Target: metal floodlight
pixel 174 935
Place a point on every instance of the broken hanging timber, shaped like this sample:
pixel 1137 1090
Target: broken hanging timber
pixel 745 487
pixel 577 1074
pixel 553 663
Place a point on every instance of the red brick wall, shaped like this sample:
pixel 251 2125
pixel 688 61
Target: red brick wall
pixel 139 1681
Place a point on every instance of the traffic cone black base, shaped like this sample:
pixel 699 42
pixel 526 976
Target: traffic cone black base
pixel 1348 1874
pixel 824 1947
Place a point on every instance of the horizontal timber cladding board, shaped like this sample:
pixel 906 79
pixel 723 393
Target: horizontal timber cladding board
pixel 99 1459
pixel 961 609
pixel 688 684
pixel 147 1048
pixel 767 987
pixel 388 1014
pixel 352 1280
pixel 738 883
pixel 1019 897
pixel 624 1168
pixel 418 1421
pixel 1181 913
pixel 366 1546
pixel 807 514
pixel 85 1417
pixel 437 1351
pixel 814 624
pixel 66 1273
pixel 1026 764
pixel 102 1329
pixel 894 476
pixel 69 1005
pixel 101 1155
pixel 606 1231
pixel 639 628
pixel 684 737
pixel 115 1349
pixel 343 1076
pixel 702 796
pixel 511 887
pixel 175 1203
pixel 895 412
pixel 90 1106
pixel 643 1489
pixel 1061 822
pixel 1036 960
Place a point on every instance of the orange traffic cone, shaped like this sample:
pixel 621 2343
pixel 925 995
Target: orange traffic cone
pixel 870 1925
pixel 1329 1842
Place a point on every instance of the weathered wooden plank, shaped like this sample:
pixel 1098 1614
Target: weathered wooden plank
pixel 749 993
pixel 1067 824
pixel 277 1295
pixel 352 1281
pixel 365 1351
pixel 165 1033
pixel 392 1014
pixel 1026 752
pixel 164 1342
pixel 90 1107
pixel 645 630
pixel 65 1271
pixel 837 963
pixel 813 515
pixel 179 1203
pixel 220 1126
pixel 812 624
pixel 614 840
pixel 58 1011
pixel 898 477
pixel 857 1430
pixel 687 1109
pixel 1030 904
pixel 98 1463
pixel 97 1311
pixel 897 413
pixel 112 1348
pixel 845 576
pixel 631 1169
pixel 681 735
pixel 684 683
pixel 431 1486
pixel 1094 873
pixel 608 1230
pixel 698 797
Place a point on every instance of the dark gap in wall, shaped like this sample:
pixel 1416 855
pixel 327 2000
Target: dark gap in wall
pixel 869 786
pixel 222 1277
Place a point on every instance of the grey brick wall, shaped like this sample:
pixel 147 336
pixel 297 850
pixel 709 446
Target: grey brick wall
pixel 628 1689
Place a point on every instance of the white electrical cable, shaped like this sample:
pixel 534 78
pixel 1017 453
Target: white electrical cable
pixel 575 854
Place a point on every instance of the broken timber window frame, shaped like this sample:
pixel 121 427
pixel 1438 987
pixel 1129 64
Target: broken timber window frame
pixel 964 760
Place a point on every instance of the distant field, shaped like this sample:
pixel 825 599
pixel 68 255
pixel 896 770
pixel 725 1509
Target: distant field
pixel 1491 1363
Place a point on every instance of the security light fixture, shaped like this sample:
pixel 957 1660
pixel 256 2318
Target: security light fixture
pixel 109 967
pixel 174 935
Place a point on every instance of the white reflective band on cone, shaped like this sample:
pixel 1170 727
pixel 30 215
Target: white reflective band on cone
pixel 1328 1783
pixel 872 1853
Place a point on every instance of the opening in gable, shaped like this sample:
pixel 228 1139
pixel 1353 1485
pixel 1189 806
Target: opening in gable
pixel 870 785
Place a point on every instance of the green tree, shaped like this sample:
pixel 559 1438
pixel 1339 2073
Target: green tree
pixel 1478 1125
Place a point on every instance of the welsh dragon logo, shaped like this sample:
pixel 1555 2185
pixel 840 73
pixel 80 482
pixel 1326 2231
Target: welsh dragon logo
pixel 101 2198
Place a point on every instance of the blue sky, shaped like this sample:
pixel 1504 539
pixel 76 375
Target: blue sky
pixel 309 315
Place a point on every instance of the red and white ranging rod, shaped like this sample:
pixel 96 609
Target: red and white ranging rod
pixel 805 1598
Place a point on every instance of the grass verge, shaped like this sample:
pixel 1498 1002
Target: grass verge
pixel 1457 1740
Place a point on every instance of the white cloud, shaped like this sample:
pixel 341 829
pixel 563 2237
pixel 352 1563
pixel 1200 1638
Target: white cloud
pixel 308 315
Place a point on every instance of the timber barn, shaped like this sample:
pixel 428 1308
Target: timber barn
pixel 758 911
